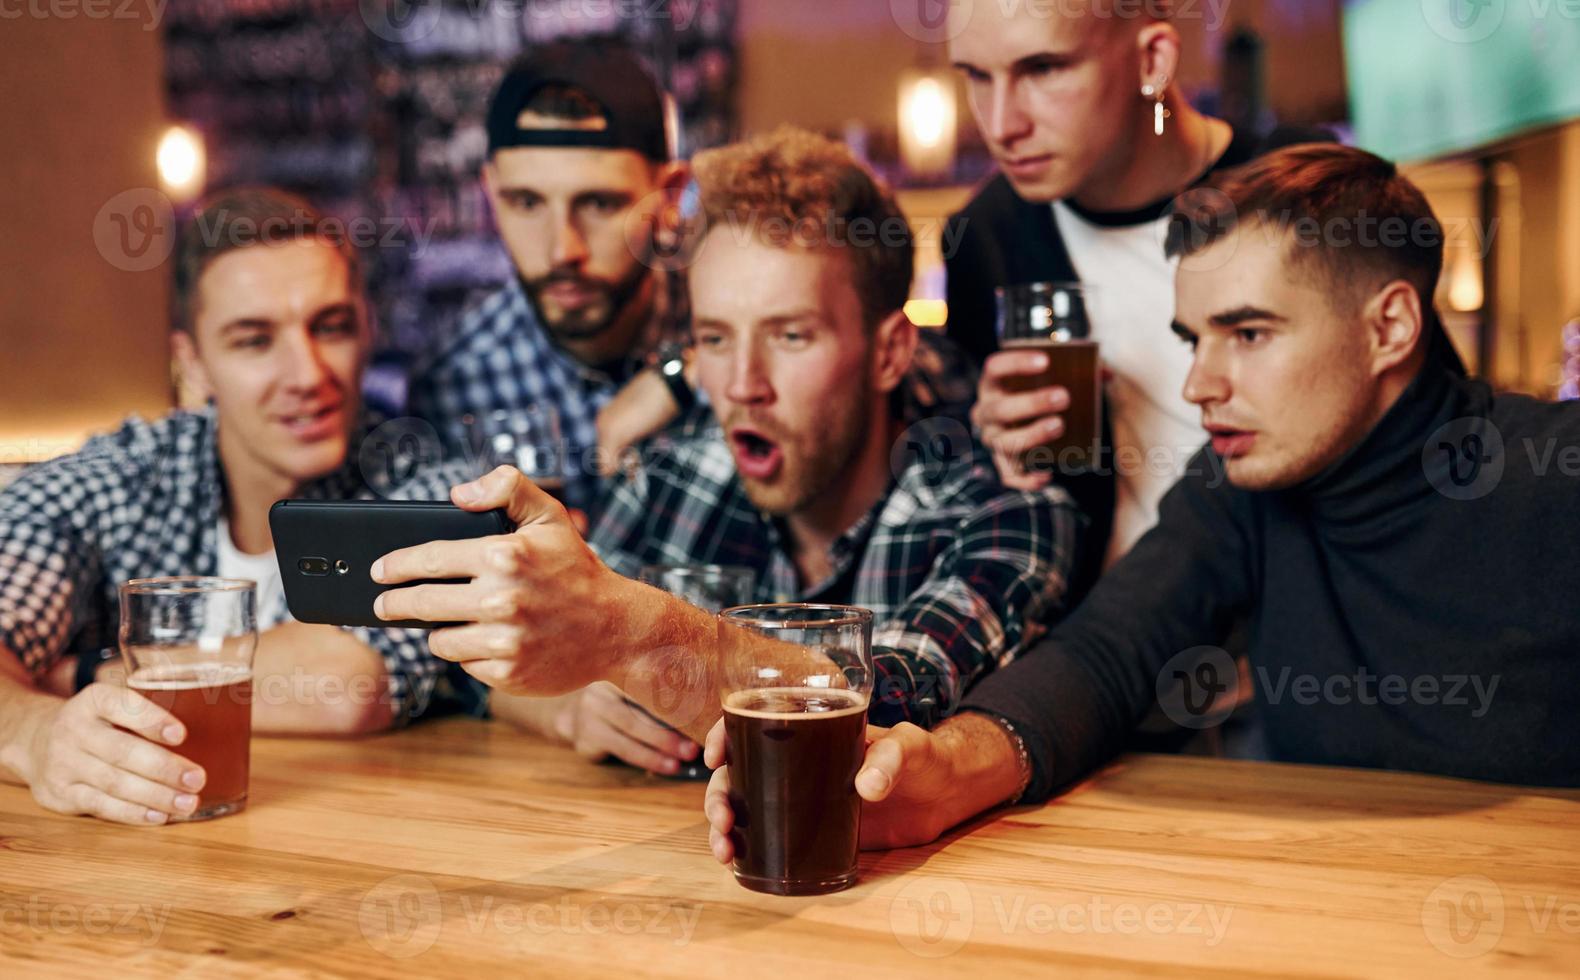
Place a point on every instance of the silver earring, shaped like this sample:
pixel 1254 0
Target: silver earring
pixel 1159 111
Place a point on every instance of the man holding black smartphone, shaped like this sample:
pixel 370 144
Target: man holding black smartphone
pixel 807 467
pixel 586 192
pixel 272 331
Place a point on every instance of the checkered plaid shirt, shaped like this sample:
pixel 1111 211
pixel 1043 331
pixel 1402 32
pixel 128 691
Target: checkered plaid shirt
pixel 501 358
pixel 145 501
pixel 961 574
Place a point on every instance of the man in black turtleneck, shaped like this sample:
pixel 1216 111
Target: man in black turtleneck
pixel 1402 540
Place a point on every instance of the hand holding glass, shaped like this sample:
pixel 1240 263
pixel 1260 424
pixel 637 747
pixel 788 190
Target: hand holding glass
pixel 795 724
pixel 188 644
pixel 1050 318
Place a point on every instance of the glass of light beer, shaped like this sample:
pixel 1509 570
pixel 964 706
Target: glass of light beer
pixel 710 588
pixel 1050 317
pixel 795 683
pixel 188 645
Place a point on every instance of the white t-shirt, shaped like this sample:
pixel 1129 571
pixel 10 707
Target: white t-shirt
pixel 1130 305
pixel 262 569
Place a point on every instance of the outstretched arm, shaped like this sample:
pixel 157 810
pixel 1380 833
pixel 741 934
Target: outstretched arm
pixel 542 616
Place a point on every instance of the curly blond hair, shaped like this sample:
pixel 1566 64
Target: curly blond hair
pixel 794 188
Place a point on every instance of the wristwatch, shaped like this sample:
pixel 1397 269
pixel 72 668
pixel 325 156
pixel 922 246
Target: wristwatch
pixel 670 364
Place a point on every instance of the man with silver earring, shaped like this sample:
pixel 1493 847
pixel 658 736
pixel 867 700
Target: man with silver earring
pixel 1094 142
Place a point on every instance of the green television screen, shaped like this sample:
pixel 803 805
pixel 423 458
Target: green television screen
pixel 1434 77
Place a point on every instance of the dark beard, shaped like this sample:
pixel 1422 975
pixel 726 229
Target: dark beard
pixel 617 296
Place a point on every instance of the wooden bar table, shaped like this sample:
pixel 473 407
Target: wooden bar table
pixel 463 848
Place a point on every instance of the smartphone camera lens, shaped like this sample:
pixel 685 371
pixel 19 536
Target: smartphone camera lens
pixel 341 567
pixel 313 566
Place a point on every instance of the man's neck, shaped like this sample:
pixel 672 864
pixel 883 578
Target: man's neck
pixel 250 490
pixel 1157 167
pixel 622 336
pixel 1365 426
pixel 1392 386
pixel 813 530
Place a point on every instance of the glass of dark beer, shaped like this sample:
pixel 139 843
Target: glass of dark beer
pixel 527 438
pixel 795 681
pixel 1051 317
pixel 188 645
pixel 710 588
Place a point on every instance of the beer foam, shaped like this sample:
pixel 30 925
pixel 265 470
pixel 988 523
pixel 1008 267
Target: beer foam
pixel 188 677
pixel 735 702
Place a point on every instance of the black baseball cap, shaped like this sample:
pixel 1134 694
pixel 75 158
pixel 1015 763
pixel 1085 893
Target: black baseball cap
pixel 631 101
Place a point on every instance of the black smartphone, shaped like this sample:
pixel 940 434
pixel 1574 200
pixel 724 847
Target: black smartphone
pixel 326 549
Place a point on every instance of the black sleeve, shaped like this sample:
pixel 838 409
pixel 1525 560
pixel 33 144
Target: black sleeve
pixel 1076 696
pixel 970 281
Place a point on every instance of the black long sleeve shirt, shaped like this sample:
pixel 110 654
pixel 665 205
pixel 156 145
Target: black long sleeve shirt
pixel 1414 607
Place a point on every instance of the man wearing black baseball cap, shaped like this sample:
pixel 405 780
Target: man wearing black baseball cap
pixel 580 171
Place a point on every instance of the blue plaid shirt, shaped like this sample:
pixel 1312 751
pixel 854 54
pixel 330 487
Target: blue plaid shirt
pixel 501 358
pixel 144 502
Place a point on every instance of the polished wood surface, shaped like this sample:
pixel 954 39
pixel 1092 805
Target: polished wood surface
pixel 462 848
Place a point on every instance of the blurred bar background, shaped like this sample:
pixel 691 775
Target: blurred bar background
pixel 119 115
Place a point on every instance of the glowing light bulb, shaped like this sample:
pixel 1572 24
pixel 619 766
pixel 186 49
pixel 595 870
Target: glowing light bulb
pixel 180 159
pixel 927 123
pixel 929 113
